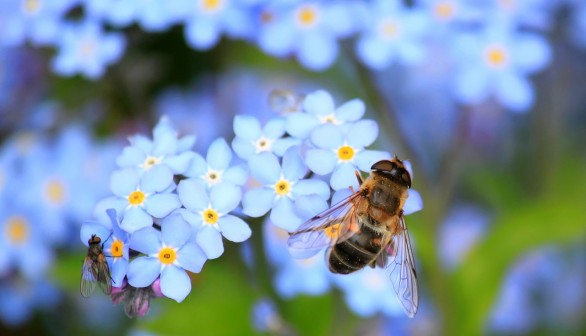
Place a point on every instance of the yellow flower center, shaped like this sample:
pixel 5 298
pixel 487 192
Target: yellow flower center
pixel 213 177
pixel 17 230
pixel 167 255
pixel 31 6
pixel 330 118
pixel 55 191
pixel 444 10
pixel 116 250
pixel 307 16
pixel 136 198
pixel 150 161
pixel 346 153
pixel 496 56
pixel 283 187
pixel 389 28
pixel 332 231
pixel 211 6
pixel 210 216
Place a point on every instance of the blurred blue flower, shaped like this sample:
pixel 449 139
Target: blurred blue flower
pixel 84 48
pixel 282 185
pixel 20 299
pixel 142 197
pixel 252 139
pixel 40 21
pixel 115 242
pixel 319 109
pixel 577 23
pixel 392 33
pixel 265 317
pixel 497 61
pixel 168 253
pixel 215 168
pixel 206 20
pixel 309 30
pixel 209 214
pixel 151 15
pixel 165 148
pixel 340 151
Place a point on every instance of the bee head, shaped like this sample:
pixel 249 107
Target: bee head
pixel 94 240
pixel 394 169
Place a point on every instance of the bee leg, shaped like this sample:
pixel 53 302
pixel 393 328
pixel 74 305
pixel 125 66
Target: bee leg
pixel 358 177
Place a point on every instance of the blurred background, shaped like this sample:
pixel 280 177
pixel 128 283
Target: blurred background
pixel 485 98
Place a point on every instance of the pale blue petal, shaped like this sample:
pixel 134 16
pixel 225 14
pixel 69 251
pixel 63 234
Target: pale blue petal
pixel 283 215
pixel 280 146
pixel 514 92
pixel 141 142
pixel 277 39
pixel 362 133
pixel 123 182
pixel 293 166
pixel 531 53
pixel 210 241
pixel 156 179
pixel 413 203
pixel 191 257
pixel 374 52
pixel 160 205
pixel 343 176
pixel 175 231
pixel 243 148
pixel 93 228
pixel 317 51
pixel 219 154
pixel 340 195
pixel 179 163
pixel 194 219
pixel 135 218
pixel 321 162
pixel 234 229
pixel 225 197
pixel 143 271
pixel 118 204
pixel 193 194
pixel 175 283
pixel 265 168
pixel 312 186
pixel 319 103
pixel 366 158
pixel 257 202
pixel 236 174
pixel 246 127
pixel 327 136
pixel 275 128
pixel 307 206
pixel 197 166
pixel 146 240
pixel 351 110
pixel 118 270
pixel 300 125
pixel 471 85
pixel 186 143
pixel 130 157
pixel 165 144
pixel 201 33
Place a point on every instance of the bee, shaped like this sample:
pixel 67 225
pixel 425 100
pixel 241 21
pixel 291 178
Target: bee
pixel 367 228
pixel 95 269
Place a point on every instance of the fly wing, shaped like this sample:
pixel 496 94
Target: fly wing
pixel 398 260
pixel 326 229
pixel 104 277
pixel 88 278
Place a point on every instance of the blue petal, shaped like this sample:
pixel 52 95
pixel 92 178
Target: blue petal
pixel 234 229
pixel 193 195
pixel 219 155
pixel 413 203
pixel 243 148
pixel 197 166
pixel 275 128
pixel 307 206
pixel 351 110
pixel 135 218
pixel 146 240
pixel 202 34
pixel 175 231
pixel 319 103
pixel 374 52
pixel 236 174
pixel 327 136
pixel 283 215
pixel 317 51
pixel 186 142
pixel 300 125
pixel 123 182
pixel 130 157
pixel 160 205
pixel 141 142
pixel 179 163
pixel 191 257
pixel 156 179
pixel 362 133
pixel 257 202
pixel 312 186
pixel 343 176
pixel 165 144
pixel 365 159
pixel 280 146
pixel 514 91
pixel 210 241
pixel 531 53
pixel 175 283
pixel 321 162
pixel 93 228
pixel 471 85
pixel 340 195
pixel 293 166
pixel 246 127
pixel 265 168
pixel 143 271
pixel 118 270
pixel 225 197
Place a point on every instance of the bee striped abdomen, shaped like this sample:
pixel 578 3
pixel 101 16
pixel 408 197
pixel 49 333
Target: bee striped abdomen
pixel 355 252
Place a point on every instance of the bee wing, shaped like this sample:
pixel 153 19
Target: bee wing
pixel 397 258
pixel 104 277
pixel 88 278
pixel 331 226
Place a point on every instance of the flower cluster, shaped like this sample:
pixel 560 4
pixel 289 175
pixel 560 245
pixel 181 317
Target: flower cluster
pixel 491 46
pixel 172 207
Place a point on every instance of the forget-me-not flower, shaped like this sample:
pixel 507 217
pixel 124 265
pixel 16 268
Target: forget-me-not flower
pixel 251 138
pixel 209 214
pixel 282 185
pixel 168 254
